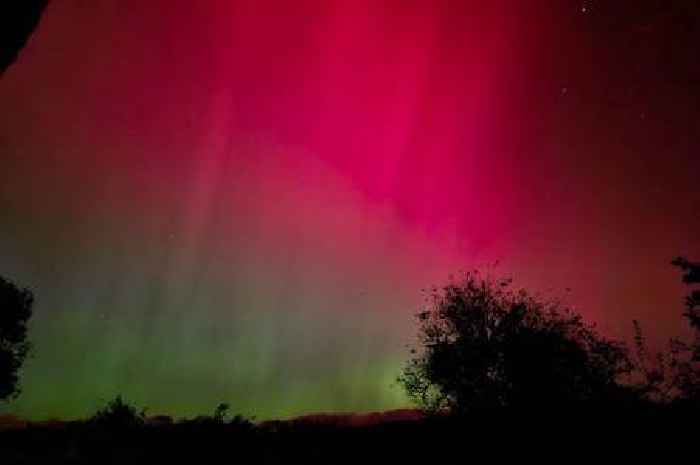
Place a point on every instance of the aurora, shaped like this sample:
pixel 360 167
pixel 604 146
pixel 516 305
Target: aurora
pixel 232 201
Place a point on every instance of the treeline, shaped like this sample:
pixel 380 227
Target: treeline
pixel 495 369
pixel 121 434
pixel 484 345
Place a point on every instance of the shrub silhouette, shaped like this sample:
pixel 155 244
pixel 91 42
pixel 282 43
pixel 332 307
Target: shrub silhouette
pixel 483 345
pixel 220 418
pixel 221 412
pixel 691 276
pixel 119 415
pixel 685 357
pixel 15 311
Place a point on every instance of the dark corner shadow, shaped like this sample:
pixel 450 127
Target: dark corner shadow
pixel 18 20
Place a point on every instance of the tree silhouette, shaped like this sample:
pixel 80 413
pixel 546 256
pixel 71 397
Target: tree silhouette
pixel 119 415
pixel 673 374
pixel 691 276
pixel 686 357
pixel 17 22
pixel 15 311
pixel 483 345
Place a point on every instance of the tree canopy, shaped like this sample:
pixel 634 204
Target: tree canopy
pixel 15 311
pixel 691 276
pixel 484 345
pixel 685 357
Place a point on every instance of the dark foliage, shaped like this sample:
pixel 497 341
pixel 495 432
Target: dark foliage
pixel 672 376
pixel 15 311
pixel 119 415
pixel 218 418
pixel 691 276
pixel 686 356
pixel 120 433
pixel 483 345
pixel 18 19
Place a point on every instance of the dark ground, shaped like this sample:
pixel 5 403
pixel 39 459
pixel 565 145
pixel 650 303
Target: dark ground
pixel 589 433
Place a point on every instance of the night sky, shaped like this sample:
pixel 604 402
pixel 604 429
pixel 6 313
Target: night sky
pixel 241 200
